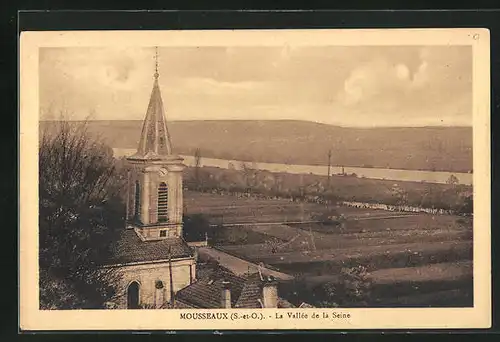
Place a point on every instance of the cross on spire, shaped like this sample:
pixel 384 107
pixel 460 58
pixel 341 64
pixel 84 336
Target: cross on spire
pixel 155 139
pixel 156 63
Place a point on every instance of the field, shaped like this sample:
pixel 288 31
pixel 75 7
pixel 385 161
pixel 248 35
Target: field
pixel 419 194
pixel 230 209
pixel 413 259
pixel 425 148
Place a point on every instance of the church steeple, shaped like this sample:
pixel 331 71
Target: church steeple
pixel 154 204
pixel 155 142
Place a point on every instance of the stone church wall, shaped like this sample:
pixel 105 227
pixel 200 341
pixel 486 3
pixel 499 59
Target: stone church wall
pixel 148 274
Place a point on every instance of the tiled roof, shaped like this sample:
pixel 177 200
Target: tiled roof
pixel 251 293
pixel 130 248
pixel 206 292
pixel 284 304
pixel 182 305
pixel 177 305
pixel 245 291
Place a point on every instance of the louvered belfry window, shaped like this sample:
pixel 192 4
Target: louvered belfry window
pixel 163 202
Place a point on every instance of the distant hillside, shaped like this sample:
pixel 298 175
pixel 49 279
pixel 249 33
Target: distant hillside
pixel 301 142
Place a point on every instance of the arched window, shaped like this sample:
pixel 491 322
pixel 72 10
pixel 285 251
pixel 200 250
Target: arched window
pixel 163 202
pixel 133 295
pixel 137 200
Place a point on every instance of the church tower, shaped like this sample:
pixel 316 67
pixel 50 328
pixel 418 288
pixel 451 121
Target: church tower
pixel 154 193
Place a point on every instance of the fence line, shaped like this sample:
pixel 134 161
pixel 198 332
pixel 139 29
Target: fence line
pixel 396 208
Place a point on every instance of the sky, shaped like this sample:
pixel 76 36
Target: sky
pixel 350 86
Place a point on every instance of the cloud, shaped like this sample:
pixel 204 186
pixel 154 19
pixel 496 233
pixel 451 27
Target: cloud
pixel 402 71
pixel 340 85
pixel 215 87
pixel 420 78
pixel 422 87
pixel 372 80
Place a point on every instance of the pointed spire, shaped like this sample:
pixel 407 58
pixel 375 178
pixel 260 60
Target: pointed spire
pixel 155 138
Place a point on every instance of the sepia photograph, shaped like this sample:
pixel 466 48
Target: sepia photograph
pixel 255 179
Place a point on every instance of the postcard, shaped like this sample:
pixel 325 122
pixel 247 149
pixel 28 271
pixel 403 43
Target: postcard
pixel 255 179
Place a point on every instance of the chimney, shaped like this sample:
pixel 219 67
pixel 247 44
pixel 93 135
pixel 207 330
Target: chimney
pixel 270 293
pixel 226 295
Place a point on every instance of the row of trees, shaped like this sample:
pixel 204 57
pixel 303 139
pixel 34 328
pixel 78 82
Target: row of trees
pixel 246 179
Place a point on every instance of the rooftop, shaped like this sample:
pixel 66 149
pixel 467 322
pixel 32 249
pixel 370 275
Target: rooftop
pixel 246 291
pixel 237 265
pixel 131 249
pixel 206 292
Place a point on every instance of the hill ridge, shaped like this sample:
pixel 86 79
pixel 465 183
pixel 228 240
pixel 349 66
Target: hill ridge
pixel 279 121
pixel 307 143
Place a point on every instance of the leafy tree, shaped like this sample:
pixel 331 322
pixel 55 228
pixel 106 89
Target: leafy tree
pixel 197 163
pixel 400 195
pixel 80 214
pixel 55 293
pixel 466 205
pixel 196 227
pixel 274 244
pixel 353 288
pixel 452 180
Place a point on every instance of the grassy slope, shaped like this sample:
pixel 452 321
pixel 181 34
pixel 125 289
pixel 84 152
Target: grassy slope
pixel 300 142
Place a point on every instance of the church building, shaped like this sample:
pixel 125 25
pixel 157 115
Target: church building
pixel 152 257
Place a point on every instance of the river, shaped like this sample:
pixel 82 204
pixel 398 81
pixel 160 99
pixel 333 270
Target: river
pixel 373 173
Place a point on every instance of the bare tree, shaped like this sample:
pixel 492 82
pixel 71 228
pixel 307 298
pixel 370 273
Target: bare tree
pixel 400 194
pixel 274 244
pixel 250 176
pixel 197 163
pixel 80 215
pixel 329 166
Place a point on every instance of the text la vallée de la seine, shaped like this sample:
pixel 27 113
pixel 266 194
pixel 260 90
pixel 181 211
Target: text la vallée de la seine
pixel 260 316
